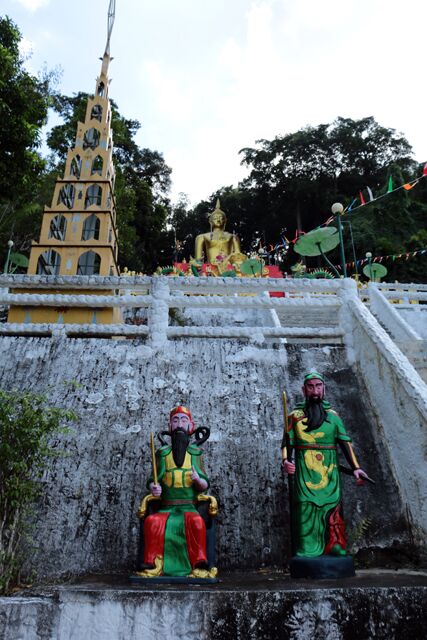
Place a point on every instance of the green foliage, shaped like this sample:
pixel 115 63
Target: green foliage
pixel 24 102
pixel 27 424
pixel 295 178
pixel 358 532
pixel 301 174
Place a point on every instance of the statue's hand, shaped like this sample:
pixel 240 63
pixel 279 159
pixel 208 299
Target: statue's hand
pixel 359 474
pixel 289 467
pixel 155 489
pixel 200 483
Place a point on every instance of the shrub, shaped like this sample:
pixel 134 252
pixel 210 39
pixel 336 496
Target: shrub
pixel 27 424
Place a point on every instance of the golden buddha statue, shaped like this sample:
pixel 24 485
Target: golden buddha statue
pixel 217 246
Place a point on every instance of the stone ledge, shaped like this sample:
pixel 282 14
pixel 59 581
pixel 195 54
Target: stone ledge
pixel 255 606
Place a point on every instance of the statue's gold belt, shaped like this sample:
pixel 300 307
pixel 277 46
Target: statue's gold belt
pixel 172 503
pixel 315 446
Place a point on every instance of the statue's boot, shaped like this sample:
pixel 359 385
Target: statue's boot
pixel 337 550
pixel 153 571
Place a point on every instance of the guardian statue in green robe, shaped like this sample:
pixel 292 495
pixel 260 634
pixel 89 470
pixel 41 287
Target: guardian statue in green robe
pixel 175 535
pixel 309 452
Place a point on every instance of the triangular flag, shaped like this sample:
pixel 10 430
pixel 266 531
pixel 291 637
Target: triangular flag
pixel 425 170
pixel 390 184
pixel 351 206
pixel 361 198
pixel 408 186
pixel 371 195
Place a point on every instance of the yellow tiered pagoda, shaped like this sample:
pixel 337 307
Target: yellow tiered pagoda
pixel 78 234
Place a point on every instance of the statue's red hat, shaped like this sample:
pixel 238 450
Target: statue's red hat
pixel 181 409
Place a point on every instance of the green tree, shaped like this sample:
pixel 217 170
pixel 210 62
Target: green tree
pixel 24 102
pixel 300 175
pixel 392 226
pixel 27 425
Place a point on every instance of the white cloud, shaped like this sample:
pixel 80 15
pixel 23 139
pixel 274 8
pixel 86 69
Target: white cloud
pixel 174 99
pixel 26 47
pixel 33 5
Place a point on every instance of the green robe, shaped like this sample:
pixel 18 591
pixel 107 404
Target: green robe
pixel 317 484
pixel 177 485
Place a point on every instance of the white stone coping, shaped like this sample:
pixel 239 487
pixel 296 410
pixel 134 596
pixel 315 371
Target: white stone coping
pixel 52 329
pixel 403 294
pixel 399 286
pixel 177 301
pixel 190 284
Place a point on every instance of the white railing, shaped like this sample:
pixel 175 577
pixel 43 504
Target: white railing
pixel 160 294
pixel 402 295
pixel 399 395
pixel 398 328
pixel 402 308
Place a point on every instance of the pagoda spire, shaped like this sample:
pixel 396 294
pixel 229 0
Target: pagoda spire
pixel 78 235
pixel 110 22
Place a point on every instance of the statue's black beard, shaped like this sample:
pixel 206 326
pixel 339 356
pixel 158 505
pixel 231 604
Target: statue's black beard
pixel 315 413
pixel 180 442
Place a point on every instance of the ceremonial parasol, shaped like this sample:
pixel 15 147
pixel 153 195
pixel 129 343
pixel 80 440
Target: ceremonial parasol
pixel 375 271
pixel 318 242
pixel 251 267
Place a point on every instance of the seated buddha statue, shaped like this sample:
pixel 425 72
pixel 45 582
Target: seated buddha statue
pixel 217 245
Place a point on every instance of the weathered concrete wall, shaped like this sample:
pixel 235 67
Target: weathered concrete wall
pixel 122 390
pixel 358 609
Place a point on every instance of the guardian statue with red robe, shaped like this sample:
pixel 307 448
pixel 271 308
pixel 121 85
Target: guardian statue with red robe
pixel 175 535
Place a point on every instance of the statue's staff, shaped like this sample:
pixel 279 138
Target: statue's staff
pixel 143 509
pixel 286 451
pixel 153 458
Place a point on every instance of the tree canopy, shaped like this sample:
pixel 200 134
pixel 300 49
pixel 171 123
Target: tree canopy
pixel 24 102
pixel 295 178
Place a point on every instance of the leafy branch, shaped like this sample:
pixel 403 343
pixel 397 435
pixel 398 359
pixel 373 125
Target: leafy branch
pixel 27 424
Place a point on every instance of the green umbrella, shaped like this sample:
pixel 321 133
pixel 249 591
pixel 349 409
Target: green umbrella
pixel 375 271
pixel 251 267
pixel 318 242
pixel 19 260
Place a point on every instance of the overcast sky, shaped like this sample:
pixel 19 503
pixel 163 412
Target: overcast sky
pixel 208 77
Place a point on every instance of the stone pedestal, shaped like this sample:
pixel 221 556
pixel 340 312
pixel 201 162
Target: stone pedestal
pixel 258 606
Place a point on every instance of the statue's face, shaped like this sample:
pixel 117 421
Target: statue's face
pixel 217 219
pixel 180 420
pixel 314 389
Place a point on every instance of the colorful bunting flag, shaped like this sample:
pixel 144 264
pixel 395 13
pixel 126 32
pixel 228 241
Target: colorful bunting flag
pixel 390 184
pixel 406 256
pixel 362 200
pixel 425 170
pixel 371 195
pixel 351 206
pixel 409 186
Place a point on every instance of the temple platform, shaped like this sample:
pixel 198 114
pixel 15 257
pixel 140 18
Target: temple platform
pixel 263 605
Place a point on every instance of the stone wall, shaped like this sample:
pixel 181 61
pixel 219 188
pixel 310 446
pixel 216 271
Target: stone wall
pixel 122 389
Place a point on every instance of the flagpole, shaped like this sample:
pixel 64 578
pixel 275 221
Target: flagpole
pixel 337 210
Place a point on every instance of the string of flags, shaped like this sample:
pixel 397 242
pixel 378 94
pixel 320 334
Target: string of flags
pixel 360 201
pixel 390 189
pixel 393 257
